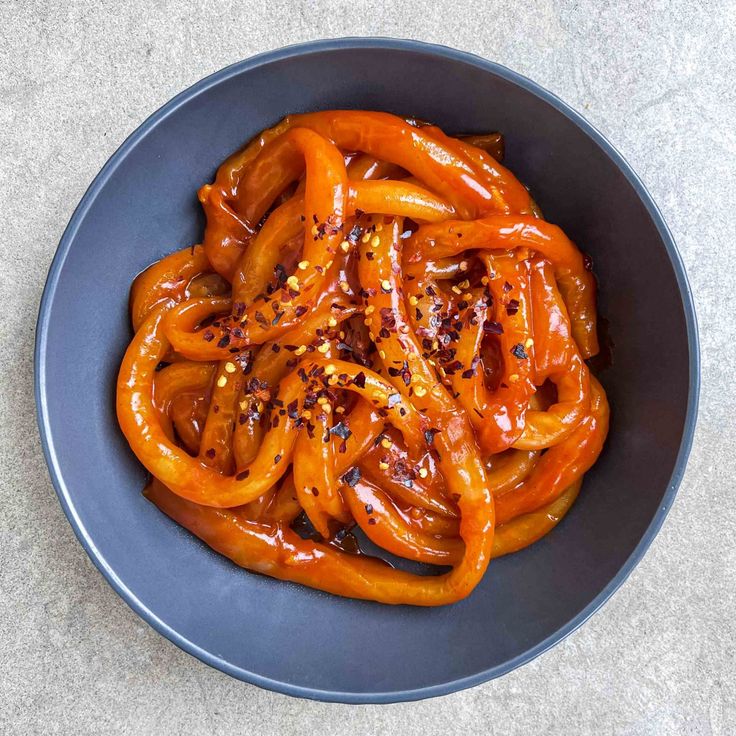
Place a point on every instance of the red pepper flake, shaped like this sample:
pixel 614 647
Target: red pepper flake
pixel 507 286
pixel 371 521
pixel 216 409
pixel 208 335
pixel 492 328
pixel 276 348
pixel 369 508
pixel 238 309
pixel 261 319
pixel 512 307
pixel 359 380
pixel 280 272
pixel 224 341
pixel 341 430
pixel 301 310
pixel 355 233
pixel 243 475
pixel 315 491
pixel 210 453
pixel 276 319
pixel 276 459
pixel 429 435
pixel 518 351
pixel 352 477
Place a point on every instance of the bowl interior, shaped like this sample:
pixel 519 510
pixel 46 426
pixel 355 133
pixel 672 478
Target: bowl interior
pixel 284 636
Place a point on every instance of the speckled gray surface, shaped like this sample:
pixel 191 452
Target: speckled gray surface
pixel 656 78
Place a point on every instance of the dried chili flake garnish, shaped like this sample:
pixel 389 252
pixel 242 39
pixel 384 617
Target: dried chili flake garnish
pixel 507 286
pixel 359 380
pixel 224 341
pixel 352 477
pixel 341 430
pixel 301 310
pixel 492 328
pixel 512 307
pixel 210 453
pixel 429 435
pixel 369 508
pixel 518 351
pixel 243 475
pixel 280 272
pixel 208 335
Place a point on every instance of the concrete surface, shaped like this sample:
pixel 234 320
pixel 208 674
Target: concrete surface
pixel 657 78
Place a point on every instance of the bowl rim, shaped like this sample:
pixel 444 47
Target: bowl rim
pixel 43 419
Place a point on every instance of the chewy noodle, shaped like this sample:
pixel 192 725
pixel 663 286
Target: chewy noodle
pixel 380 331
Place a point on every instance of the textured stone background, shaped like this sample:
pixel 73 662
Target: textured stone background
pixel 657 78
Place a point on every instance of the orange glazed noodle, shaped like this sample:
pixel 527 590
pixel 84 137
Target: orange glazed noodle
pixel 380 331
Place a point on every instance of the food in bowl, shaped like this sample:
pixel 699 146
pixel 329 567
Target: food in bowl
pixel 379 332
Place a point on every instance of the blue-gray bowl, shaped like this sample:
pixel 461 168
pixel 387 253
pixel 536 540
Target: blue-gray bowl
pixel 292 639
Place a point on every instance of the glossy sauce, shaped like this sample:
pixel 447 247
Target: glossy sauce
pixel 379 332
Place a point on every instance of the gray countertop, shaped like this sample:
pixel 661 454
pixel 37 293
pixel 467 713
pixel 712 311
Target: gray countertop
pixel 656 78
